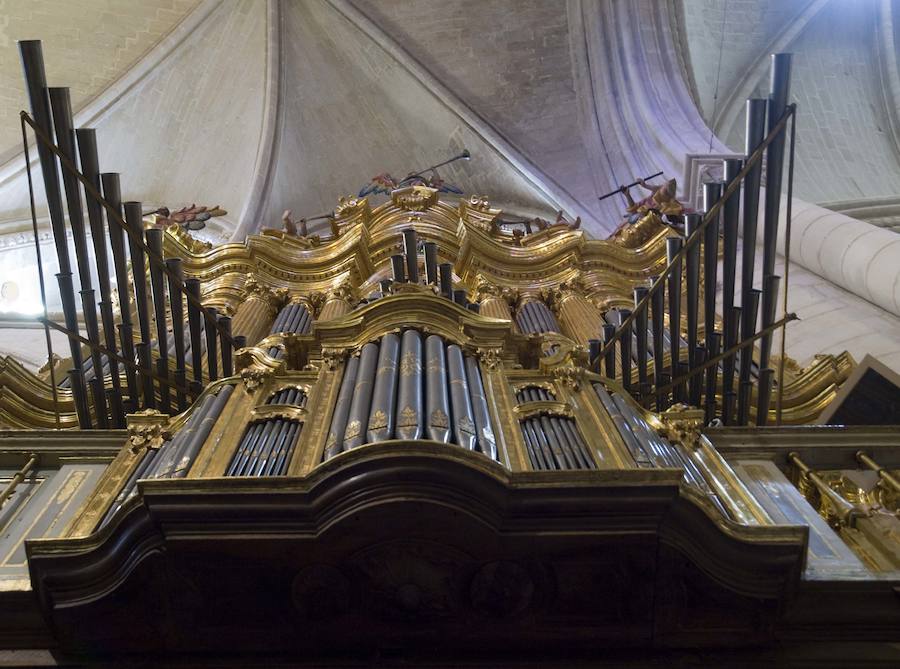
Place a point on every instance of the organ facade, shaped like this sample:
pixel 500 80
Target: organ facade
pixel 430 430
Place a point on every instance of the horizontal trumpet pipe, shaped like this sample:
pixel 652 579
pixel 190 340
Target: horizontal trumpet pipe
pixel 882 472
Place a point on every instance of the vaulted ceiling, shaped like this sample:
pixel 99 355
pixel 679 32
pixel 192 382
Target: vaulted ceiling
pixel 261 106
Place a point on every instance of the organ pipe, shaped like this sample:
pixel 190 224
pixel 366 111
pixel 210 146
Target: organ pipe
pixel 673 248
pixel 692 277
pixel 411 252
pixel 134 219
pixel 625 348
pixel 657 307
pixel 437 403
pixel 212 363
pixel 398 270
pixel 748 314
pixel 610 361
pixel 409 394
pixel 177 308
pixel 641 343
pixel 225 343
pixel 445 270
pixel 334 444
pixel 460 403
pixel 355 432
pixel 194 325
pixel 380 420
pixel 154 238
pixel 87 150
pixel 484 435
pixel 431 263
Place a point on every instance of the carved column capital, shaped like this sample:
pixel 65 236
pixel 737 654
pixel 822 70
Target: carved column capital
pixel 147 429
pixel 682 424
pixel 272 298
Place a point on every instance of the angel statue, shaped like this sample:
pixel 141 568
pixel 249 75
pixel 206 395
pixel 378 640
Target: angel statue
pixel 384 183
pixel 190 218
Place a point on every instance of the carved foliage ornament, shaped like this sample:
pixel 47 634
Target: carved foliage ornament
pixel 147 429
pixel 682 424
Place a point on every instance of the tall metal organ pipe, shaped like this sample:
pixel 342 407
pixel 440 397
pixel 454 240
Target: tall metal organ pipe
pixel 380 420
pixel 437 403
pixel 640 325
pixel 692 277
pixel 32 58
pixel 154 238
pixel 673 248
pixel 460 402
pixel 90 166
pixel 334 444
pixel 177 309
pixel 355 433
pixel 410 401
pixel 192 286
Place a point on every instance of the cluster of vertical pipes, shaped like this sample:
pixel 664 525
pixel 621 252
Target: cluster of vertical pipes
pixel 399 388
pixel 643 333
pixel 647 448
pixel 174 458
pixel 552 441
pixel 147 385
pixel 405 269
pixel 267 445
pixel 293 318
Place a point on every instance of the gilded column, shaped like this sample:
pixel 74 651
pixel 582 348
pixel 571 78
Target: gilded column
pixel 494 301
pixel 255 312
pixel 578 317
pixel 337 302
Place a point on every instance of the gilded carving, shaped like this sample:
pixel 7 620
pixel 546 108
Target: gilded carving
pixel 353 429
pixel 409 364
pixel 408 418
pixel 466 426
pixel 378 420
pixel 414 198
pixel 439 419
pixel 147 429
pixel 682 424
pixel 490 358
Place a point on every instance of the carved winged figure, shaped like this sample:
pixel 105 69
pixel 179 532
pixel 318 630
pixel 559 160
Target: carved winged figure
pixel 189 218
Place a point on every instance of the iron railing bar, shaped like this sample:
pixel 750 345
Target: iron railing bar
pixel 40 269
pixel 734 349
pixel 115 356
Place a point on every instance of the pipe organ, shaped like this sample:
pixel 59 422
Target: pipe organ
pixel 373 436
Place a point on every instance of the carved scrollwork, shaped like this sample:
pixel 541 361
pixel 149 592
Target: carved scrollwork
pixel 415 198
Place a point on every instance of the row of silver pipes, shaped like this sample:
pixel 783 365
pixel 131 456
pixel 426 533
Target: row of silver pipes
pixel 402 388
